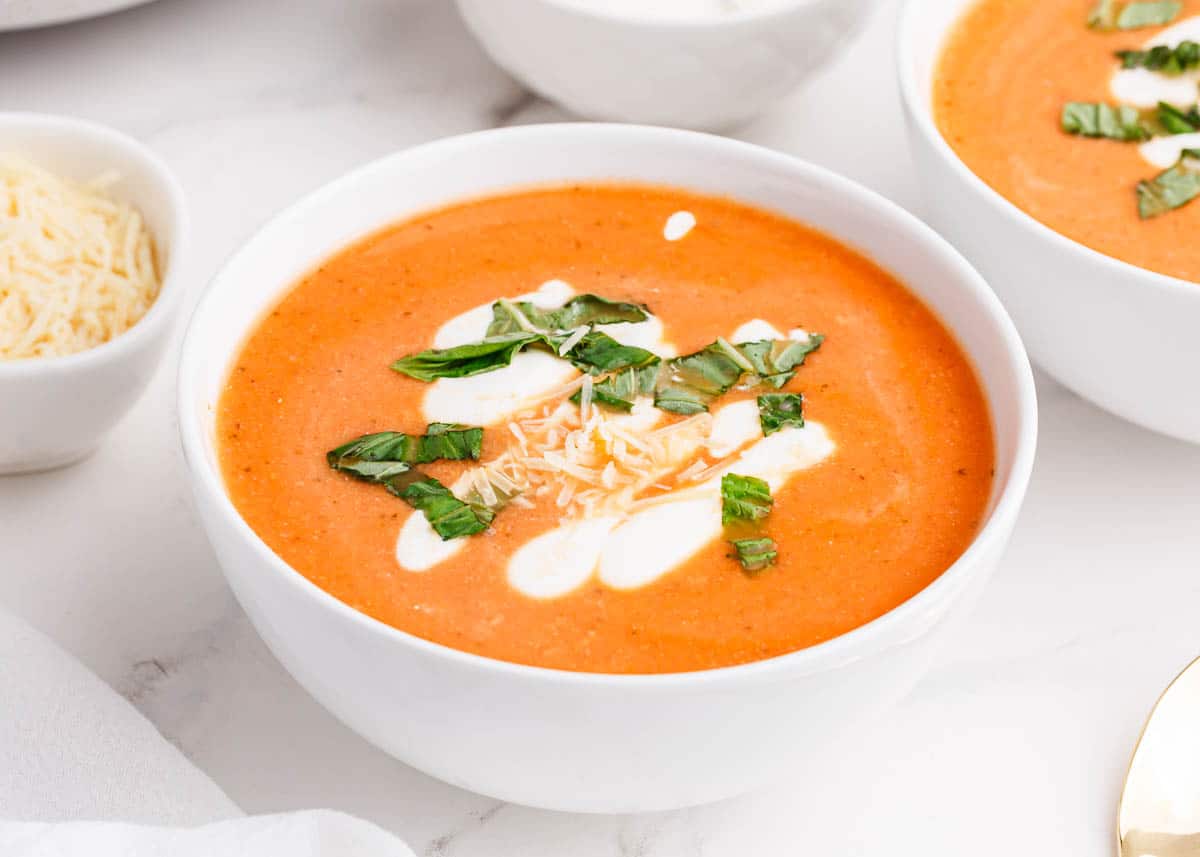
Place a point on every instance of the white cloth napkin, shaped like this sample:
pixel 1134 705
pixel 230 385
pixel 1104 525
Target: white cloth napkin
pixel 83 773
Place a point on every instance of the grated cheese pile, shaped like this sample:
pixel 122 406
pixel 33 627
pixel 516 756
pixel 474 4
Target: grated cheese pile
pixel 76 267
pixel 592 462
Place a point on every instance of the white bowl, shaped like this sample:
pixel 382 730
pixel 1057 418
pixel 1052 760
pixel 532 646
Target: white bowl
pixel 575 741
pixel 1116 334
pixel 692 73
pixel 24 14
pixel 56 410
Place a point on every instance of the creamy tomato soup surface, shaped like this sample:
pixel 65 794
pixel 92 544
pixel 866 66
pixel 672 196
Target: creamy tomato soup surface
pixel 631 430
pixel 1009 70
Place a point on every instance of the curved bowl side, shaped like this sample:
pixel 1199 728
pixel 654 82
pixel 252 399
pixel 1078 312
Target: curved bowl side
pixel 577 741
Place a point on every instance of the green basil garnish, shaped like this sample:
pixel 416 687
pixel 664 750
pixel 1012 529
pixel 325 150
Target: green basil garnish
pixel 1109 15
pixel 1155 13
pixel 1103 120
pixel 620 390
pixel 581 310
pixel 780 410
pixel 521 325
pixel 744 498
pixel 474 358
pixel 689 384
pixel 1175 121
pixel 1163 59
pixel 441 441
pixel 449 516
pixel 1170 189
pixel 776 361
pixel 755 555
pixel 598 354
pixel 387 459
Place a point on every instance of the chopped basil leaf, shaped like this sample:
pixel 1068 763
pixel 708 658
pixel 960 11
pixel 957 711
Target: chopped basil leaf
pixel 1109 15
pixel 520 325
pixel 755 555
pixel 776 361
pixel 367 470
pixel 744 498
pixel 747 500
pixel 1103 120
pixel 691 383
pixel 449 516
pixel 1164 59
pixel 474 358
pixel 581 310
pixel 780 410
pixel 620 390
pixel 387 459
pixel 447 441
pixel 598 354
pixel 1168 190
pixel 1153 13
pixel 1175 121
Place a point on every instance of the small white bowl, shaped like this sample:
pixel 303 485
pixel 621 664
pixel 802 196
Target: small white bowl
pixel 579 741
pixel 55 410
pixel 693 73
pixel 1123 337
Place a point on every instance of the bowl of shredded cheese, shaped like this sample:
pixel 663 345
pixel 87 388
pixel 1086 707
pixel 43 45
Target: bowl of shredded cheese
pixel 92 230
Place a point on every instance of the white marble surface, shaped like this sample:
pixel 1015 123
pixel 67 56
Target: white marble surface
pixel 1015 743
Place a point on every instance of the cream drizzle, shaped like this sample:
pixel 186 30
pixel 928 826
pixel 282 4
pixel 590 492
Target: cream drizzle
pixel 488 399
pixel 1140 87
pixel 678 225
pixel 629 550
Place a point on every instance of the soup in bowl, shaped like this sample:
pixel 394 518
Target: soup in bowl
pixel 1055 139
pixel 603 468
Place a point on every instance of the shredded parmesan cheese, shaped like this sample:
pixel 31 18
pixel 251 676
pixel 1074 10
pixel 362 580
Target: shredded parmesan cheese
pixel 586 460
pixel 76 267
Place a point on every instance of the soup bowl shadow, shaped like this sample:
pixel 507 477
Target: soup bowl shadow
pixel 1120 336
pixel 580 741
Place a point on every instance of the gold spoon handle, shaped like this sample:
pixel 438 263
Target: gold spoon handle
pixel 1147 843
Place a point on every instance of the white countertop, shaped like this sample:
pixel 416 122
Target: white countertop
pixel 1017 740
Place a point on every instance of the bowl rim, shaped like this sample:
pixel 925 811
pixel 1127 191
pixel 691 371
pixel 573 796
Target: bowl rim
pixel 920 112
pixel 698 23
pixel 170 289
pixel 850 646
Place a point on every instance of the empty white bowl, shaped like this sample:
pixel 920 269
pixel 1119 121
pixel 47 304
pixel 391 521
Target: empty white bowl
pixel 1119 335
pixel 578 741
pixel 706 72
pixel 56 410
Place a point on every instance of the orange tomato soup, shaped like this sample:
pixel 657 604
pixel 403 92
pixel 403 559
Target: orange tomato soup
pixel 1005 74
pixel 898 500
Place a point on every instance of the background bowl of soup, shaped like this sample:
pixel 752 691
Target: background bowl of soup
pixel 571 739
pixel 693 64
pixel 1120 335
